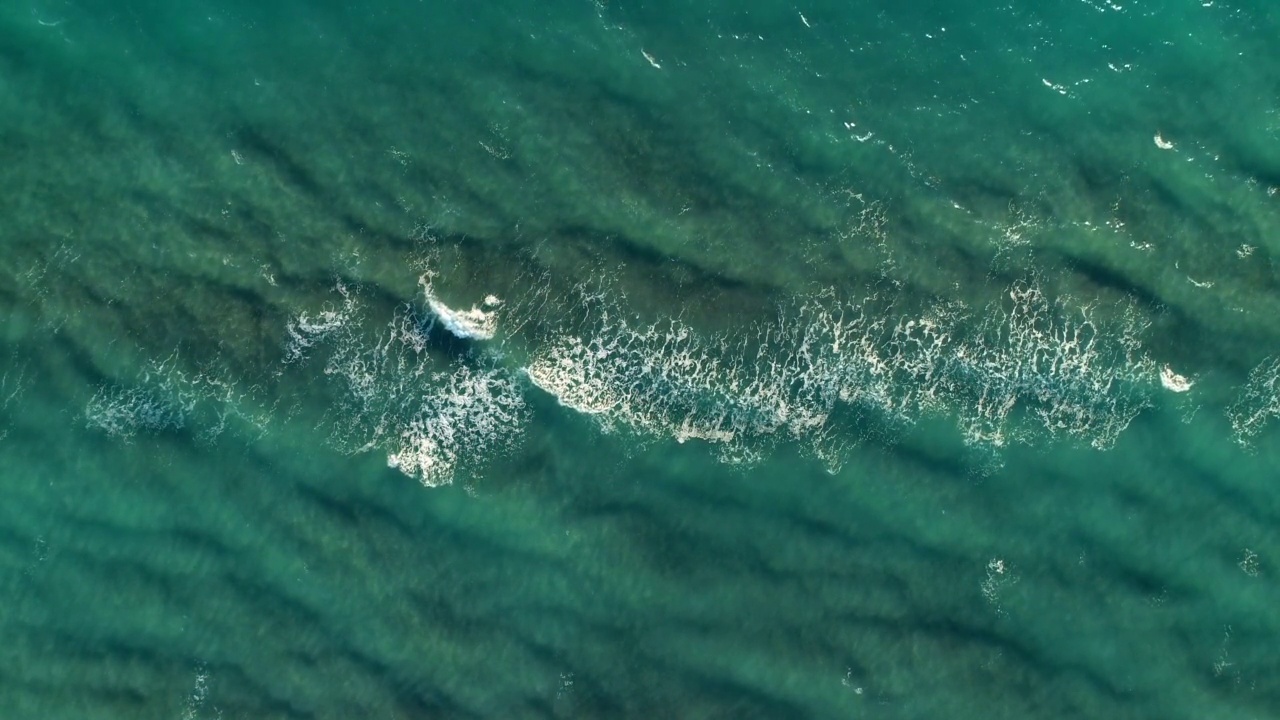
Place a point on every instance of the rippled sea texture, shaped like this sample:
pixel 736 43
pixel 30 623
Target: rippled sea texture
pixel 636 359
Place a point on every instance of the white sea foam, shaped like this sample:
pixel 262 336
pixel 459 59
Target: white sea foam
pixel 431 417
pixel 306 330
pixel 469 413
pixel 664 380
pixel 1029 357
pixel 1258 403
pixel 1055 363
pixel 124 412
pixel 164 397
pixel 199 694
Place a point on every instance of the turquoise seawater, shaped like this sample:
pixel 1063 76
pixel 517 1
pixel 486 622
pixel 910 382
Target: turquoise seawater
pixel 640 359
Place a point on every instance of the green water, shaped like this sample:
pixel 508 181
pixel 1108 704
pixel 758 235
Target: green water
pixel 833 360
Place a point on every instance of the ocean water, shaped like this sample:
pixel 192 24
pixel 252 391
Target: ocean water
pixel 633 358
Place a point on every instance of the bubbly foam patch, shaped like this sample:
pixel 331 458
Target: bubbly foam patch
pixel 194 707
pixel 430 417
pixel 12 385
pixel 125 412
pixel 1258 403
pixel 468 413
pixel 306 330
pixel 163 398
pixel 1018 364
pixel 1055 363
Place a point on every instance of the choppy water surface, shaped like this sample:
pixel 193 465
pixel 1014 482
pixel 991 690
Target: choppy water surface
pixel 621 359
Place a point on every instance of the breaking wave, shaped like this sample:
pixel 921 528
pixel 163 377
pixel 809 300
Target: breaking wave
pixel 438 390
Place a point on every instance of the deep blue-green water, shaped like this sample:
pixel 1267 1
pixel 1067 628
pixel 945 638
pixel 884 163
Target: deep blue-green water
pixel 640 359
